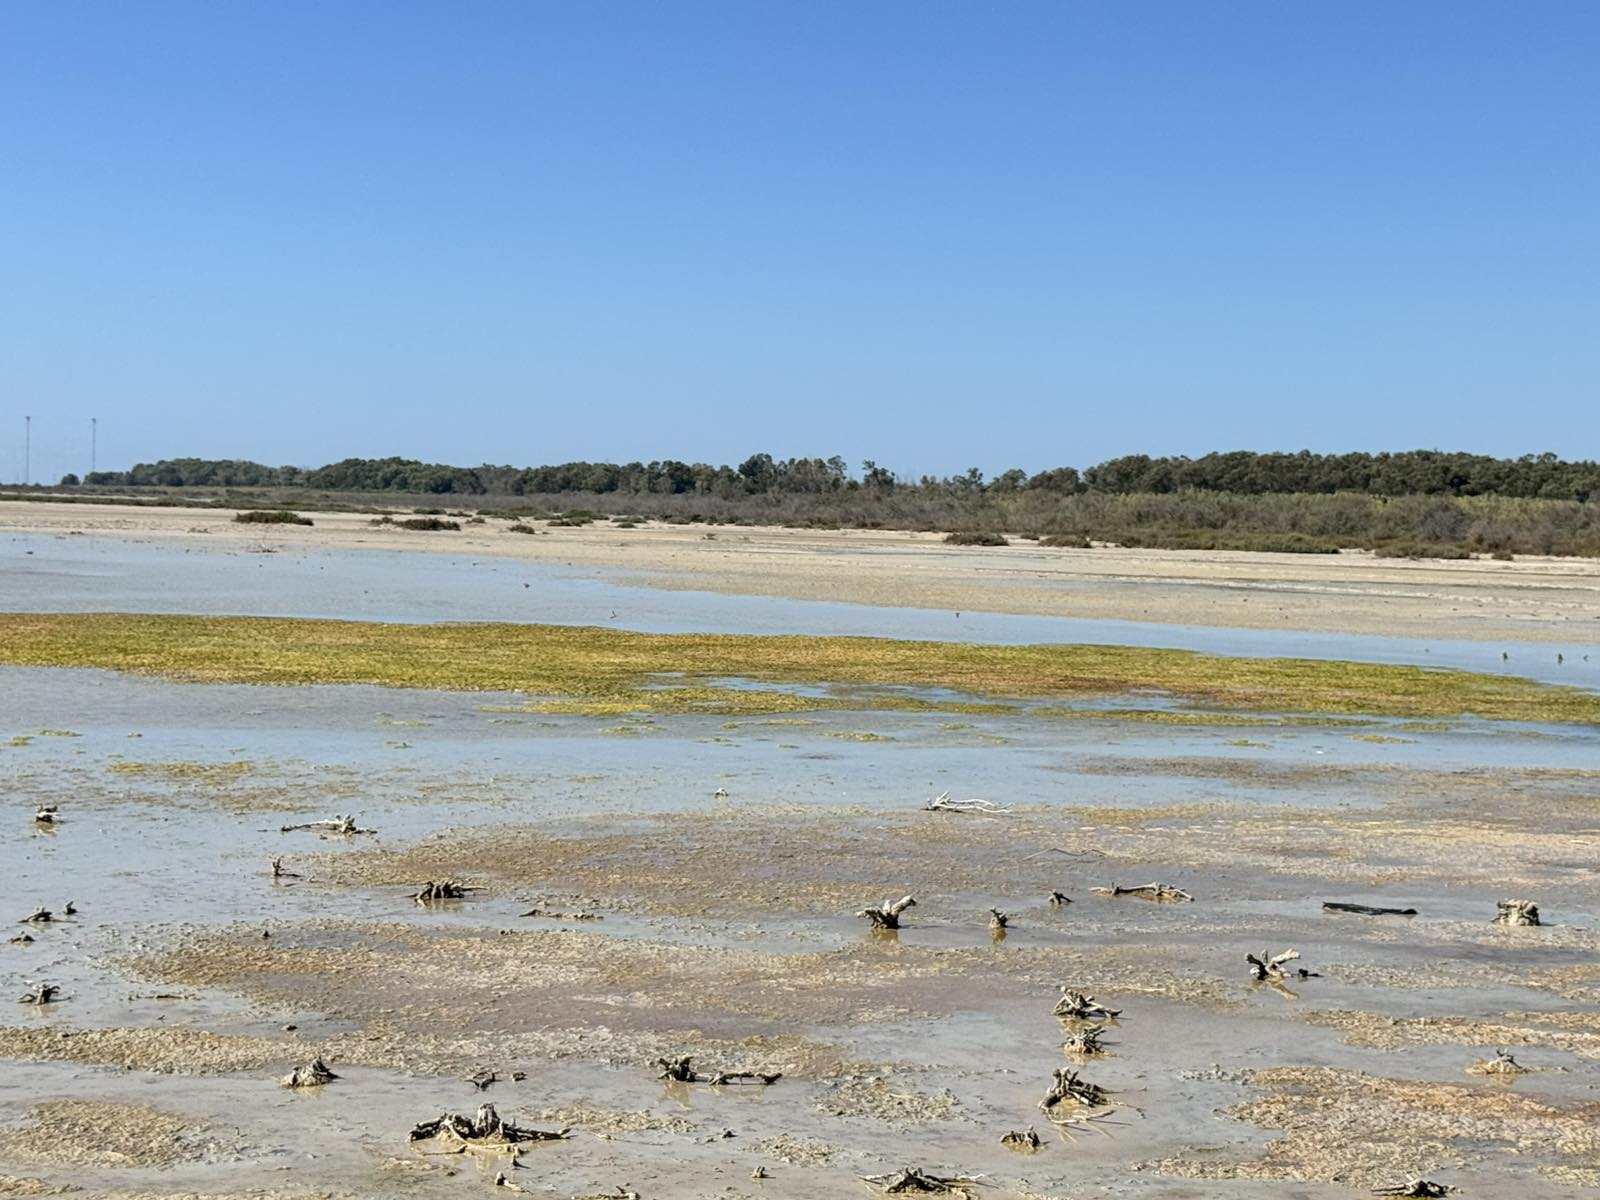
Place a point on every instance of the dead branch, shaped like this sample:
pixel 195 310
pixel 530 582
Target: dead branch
pixel 1067 1088
pixel 1366 910
pixel 71 910
pixel 340 823
pixel 1085 1043
pixel 764 1078
pixel 39 916
pixel 1269 966
pixel 442 889
pixel 39 993
pixel 1415 1187
pixel 279 871
pixel 552 915
pixel 681 1070
pixel 1501 1064
pixel 1163 892
pixel 47 814
pixel 500 1180
pixel 1027 1141
pixel 1057 899
pixel 943 803
pixel 998 920
pixel 914 1179
pixel 1516 912
pixel 483 1129
pixel 1082 1006
pixel 314 1074
pixel 887 915
pixel 22 939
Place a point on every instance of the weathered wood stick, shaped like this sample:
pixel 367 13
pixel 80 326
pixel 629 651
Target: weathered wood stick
pixel 1366 910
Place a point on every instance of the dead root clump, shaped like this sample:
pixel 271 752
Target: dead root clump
pixel 1367 1131
pixel 94 1134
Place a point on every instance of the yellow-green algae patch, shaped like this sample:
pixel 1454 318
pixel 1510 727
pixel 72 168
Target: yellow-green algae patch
pixel 608 671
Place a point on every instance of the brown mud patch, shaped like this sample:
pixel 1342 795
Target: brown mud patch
pixel 84 1133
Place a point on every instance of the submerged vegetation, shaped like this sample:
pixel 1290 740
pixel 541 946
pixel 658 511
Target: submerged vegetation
pixel 608 671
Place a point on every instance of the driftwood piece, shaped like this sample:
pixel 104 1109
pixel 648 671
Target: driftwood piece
pixel 1516 912
pixel 1501 1064
pixel 943 803
pixel 501 1181
pixel 1415 1187
pixel 998 920
pixel 1082 1006
pixel 314 1074
pixel 442 889
pixel 39 993
pixel 1163 892
pixel 22 939
pixel 1025 1140
pixel 483 1128
pixel 339 823
pixel 914 1180
pixel 71 910
pixel 47 814
pixel 1367 910
pixel 551 914
pixel 1269 966
pixel 887 915
pixel 681 1070
pixel 279 871
pixel 39 916
pixel 1057 899
pixel 1085 1043
pixel 1066 1087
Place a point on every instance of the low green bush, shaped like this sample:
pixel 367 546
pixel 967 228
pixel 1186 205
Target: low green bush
pixel 271 516
pixel 969 537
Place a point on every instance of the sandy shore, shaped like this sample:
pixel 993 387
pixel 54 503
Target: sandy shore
pixel 1531 599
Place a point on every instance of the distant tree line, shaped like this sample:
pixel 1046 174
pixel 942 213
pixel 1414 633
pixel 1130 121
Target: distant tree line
pixel 1239 472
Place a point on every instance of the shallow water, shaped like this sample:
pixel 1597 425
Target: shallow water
pixel 46 573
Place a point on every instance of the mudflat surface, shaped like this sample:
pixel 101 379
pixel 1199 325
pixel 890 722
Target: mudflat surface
pixel 1531 599
pixel 720 864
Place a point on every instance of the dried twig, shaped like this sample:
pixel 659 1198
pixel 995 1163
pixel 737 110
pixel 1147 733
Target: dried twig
pixel 681 1070
pixel 340 823
pixel 1415 1187
pixel 1163 892
pixel 39 916
pixel 279 871
pixel 1082 1006
pixel 1057 899
pixel 887 915
pixel 39 993
pixel 943 803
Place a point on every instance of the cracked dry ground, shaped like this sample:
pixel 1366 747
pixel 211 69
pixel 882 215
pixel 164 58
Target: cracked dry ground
pixel 728 934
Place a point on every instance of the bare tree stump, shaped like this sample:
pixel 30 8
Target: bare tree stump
pixel 39 993
pixel 1162 892
pixel 915 1180
pixel 1085 1043
pixel 1067 1088
pixel 482 1129
pixel 442 889
pixel 1026 1141
pixel 678 1070
pixel 1516 912
pixel 998 920
pixel 314 1074
pixel 1501 1064
pixel 1415 1187
pixel 39 916
pixel 1082 1006
pixel 943 803
pixel 1269 966
pixel 887 915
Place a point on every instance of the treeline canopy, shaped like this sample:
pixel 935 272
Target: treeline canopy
pixel 1239 472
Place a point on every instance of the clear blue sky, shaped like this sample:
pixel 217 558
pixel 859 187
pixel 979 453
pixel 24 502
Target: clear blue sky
pixel 933 234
